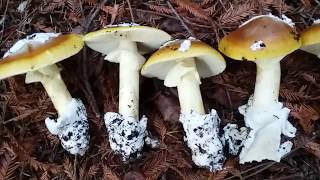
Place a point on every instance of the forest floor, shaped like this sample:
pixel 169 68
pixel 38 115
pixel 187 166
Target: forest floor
pixel 29 151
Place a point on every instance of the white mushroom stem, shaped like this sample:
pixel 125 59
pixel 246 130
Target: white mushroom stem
pixel 184 75
pixel 130 64
pixel 267 83
pixel 56 89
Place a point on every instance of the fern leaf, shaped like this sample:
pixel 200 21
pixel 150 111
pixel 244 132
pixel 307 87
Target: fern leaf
pixel 192 8
pixel 8 163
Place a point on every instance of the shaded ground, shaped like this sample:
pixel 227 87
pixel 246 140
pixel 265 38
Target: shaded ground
pixel 29 151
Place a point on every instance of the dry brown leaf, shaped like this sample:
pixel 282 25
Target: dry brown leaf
pixel 313 148
pixel 108 174
pixel 305 114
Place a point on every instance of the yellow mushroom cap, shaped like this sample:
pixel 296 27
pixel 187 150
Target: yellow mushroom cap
pixel 106 40
pixel 53 51
pixel 209 61
pixel 263 37
pixel 310 38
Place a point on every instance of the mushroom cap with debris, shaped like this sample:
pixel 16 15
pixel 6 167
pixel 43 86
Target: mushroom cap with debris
pixel 310 38
pixel 53 51
pixel 263 37
pixel 209 62
pixel 108 39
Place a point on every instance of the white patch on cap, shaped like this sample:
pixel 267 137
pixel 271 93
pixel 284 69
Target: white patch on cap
pixel 169 42
pixel 202 137
pixel 185 45
pixel 33 40
pixel 266 125
pixel 283 18
pixel 126 134
pixel 258 45
pixel 316 21
pixel 22 6
pixel 122 25
pixel 72 128
pixel 287 20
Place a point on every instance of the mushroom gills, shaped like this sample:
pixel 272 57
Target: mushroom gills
pixel 202 137
pixel 185 77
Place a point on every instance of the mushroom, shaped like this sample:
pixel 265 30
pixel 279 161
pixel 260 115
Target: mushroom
pixel 180 64
pixel 310 39
pixel 264 40
pixel 125 44
pixel 37 56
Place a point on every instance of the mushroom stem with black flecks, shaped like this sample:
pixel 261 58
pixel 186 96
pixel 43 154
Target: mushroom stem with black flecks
pixel 36 56
pixel 264 40
pixel 180 64
pixel 130 62
pixel 125 44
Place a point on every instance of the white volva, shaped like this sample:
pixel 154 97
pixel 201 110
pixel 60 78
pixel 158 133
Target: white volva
pixel 266 126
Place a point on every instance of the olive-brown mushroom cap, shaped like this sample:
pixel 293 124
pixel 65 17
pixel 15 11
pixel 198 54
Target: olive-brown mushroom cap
pixel 209 61
pixel 277 39
pixel 106 40
pixel 310 38
pixel 53 51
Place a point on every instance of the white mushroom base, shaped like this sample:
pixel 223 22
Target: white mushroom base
pixel 234 138
pixel 266 126
pixel 202 137
pixel 72 128
pixel 126 134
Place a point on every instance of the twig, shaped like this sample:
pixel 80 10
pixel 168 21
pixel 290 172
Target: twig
pixel 3 19
pixel 84 66
pixel 223 6
pixel 87 87
pixel 130 9
pixel 230 102
pixel 75 164
pixel 180 19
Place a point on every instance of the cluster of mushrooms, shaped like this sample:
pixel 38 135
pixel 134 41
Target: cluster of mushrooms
pixel 264 40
